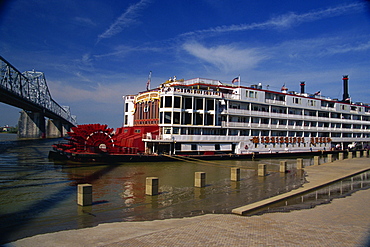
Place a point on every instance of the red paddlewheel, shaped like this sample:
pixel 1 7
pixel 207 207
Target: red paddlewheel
pixel 95 136
pixel 100 140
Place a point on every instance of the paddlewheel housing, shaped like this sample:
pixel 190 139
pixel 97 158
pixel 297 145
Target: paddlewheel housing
pixel 98 138
pixel 93 138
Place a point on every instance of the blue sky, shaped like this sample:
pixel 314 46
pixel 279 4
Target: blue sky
pixel 94 52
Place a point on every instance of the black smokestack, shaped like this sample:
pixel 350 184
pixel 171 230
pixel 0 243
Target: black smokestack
pixel 302 87
pixel 345 89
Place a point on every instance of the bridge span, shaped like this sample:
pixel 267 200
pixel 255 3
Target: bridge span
pixel 29 91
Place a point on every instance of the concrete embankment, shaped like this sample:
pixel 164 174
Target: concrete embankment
pixel 317 176
pixel 343 222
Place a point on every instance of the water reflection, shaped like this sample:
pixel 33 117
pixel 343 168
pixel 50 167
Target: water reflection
pixel 39 196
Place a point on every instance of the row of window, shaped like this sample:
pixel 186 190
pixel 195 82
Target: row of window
pixel 187 103
pixel 274 121
pixel 186 118
pixel 254 132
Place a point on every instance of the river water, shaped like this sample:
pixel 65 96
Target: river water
pixel 38 195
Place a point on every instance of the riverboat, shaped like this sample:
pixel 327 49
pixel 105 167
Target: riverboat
pixel 210 119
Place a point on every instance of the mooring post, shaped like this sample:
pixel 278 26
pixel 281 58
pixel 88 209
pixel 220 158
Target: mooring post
pixel 283 166
pixel 261 170
pixel 350 155
pixel 299 164
pixel 330 158
pixel 365 153
pixel 151 186
pixel 340 156
pixel 84 194
pixel 200 179
pixel 358 154
pixel 316 160
pixel 235 174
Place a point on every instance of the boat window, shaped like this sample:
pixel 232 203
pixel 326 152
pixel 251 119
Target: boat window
pixel 198 119
pixel 199 104
pixel 168 101
pixel 177 102
pixel 167 117
pixel 186 118
pixel 188 103
pixel 176 118
pixel 209 119
pixel 297 101
pixel 210 104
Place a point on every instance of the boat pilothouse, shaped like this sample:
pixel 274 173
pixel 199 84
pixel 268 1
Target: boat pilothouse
pixel 208 117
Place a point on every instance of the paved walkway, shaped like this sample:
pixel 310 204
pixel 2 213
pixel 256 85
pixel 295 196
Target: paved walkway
pixel 343 222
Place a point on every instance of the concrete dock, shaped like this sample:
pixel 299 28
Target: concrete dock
pixel 318 176
pixel 343 222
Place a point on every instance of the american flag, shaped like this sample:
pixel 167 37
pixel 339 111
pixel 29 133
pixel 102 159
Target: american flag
pixel 317 93
pixel 236 79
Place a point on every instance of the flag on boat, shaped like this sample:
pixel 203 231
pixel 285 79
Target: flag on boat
pixel 317 93
pixel 236 79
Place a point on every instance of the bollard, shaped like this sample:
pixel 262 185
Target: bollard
pixel 283 166
pixel 84 194
pixel 151 188
pixel 316 160
pixel 261 170
pixel 350 155
pixel 200 179
pixel 235 174
pixel 358 154
pixel 299 164
pixel 365 153
pixel 340 156
pixel 330 158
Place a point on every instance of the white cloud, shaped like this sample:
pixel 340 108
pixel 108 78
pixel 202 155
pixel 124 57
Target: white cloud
pixel 284 21
pixel 345 48
pixel 123 50
pixel 100 93
pixel 126 19
pixel 84 21
pixel 226 57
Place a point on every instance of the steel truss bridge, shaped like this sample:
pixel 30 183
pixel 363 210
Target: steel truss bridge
pixel 29 91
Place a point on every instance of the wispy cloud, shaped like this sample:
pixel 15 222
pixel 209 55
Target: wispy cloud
pixel 226 57
pixel 345 48
pixel 123 50
pixel 284 21
pixel 125 20
pixel 84 21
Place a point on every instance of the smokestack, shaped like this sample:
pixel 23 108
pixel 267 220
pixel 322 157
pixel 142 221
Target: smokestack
pixel 345 89
pixel 302 87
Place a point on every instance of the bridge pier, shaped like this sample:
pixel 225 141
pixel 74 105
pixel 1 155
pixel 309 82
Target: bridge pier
pixel 54 128
pixel 31 125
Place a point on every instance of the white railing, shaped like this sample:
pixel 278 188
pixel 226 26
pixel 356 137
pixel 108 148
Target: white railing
pixel 275 102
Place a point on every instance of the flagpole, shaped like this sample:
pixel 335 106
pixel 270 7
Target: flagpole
pixel 149 81
pixel 239 80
